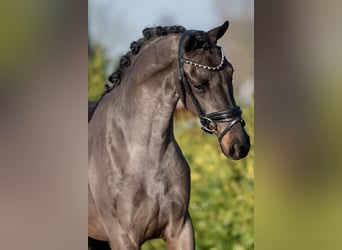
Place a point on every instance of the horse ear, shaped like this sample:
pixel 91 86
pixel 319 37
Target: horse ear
pixel 216 33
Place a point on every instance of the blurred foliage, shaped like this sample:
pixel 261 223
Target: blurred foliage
pixel 222 194
pixel 97 77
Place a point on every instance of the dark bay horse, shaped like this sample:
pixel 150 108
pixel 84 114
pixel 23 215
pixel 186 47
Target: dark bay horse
pixel 139 181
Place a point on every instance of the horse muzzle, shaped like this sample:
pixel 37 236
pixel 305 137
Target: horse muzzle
pixel 235 144
pixel 229 128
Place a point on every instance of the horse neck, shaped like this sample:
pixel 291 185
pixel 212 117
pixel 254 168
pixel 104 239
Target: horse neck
pixel 144 105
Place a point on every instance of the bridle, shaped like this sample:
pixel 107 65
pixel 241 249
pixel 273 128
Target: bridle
pixel 233 116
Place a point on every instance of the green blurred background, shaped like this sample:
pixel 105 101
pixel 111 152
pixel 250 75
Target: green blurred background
pixel 222 197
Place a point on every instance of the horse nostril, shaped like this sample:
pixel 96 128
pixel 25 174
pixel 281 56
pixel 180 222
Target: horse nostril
pixel 238 151
pixel 234 150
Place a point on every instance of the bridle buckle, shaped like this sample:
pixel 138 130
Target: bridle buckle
pixel 205 123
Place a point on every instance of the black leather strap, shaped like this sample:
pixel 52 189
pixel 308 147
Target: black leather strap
pixel 184 83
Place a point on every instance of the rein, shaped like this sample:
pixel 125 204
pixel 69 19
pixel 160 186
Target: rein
pixel 233 116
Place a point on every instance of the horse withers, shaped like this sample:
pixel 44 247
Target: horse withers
pixel 139 180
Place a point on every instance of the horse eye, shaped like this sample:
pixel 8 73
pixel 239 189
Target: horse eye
pixel 199 87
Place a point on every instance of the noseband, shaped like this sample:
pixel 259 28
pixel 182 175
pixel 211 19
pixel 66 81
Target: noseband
pixel 208 121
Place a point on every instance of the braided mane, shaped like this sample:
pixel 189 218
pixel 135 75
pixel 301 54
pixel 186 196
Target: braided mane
pixel 125 61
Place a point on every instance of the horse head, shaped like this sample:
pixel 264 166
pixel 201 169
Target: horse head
pixel 206 89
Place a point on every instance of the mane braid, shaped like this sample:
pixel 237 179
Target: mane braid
pixel 125 61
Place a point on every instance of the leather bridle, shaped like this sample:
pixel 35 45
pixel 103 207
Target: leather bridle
pixel 208 121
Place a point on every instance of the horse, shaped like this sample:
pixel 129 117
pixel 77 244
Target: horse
pixel 138 178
